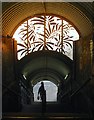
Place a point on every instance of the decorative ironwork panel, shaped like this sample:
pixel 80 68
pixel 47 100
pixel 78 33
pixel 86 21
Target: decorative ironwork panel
pixel 45 33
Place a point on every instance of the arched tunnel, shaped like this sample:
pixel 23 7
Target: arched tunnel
pixel 72 76
pixel 54 67
pixel 45 64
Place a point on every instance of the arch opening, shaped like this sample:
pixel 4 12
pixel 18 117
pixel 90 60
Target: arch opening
pixel 48 32
pixel 51 91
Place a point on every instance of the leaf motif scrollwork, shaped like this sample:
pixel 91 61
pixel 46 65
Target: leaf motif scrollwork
pixel 45 33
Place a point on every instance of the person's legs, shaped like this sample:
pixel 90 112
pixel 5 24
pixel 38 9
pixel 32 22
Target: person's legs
pixel 43 106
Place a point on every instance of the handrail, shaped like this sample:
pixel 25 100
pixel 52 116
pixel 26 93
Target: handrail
pixel 80 87
pixel 24 87
pixel 64 95
pixel 75 92
pixel 8 86
pixel 11 90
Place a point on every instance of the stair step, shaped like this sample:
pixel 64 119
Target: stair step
pixel 46 116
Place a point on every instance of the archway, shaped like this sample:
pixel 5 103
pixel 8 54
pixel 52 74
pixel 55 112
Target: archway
pixel 83 31
pixel 51 91
pixel 52 66
pixel 45 32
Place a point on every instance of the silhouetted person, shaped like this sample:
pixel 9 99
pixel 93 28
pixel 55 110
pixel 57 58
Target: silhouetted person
pixel 42 93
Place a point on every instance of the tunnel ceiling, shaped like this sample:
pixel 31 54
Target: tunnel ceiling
pixel 49 65
pixel 86 7
pixel 15 13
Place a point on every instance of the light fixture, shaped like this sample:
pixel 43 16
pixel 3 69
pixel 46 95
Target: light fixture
pixel 66 76
pixel 24 77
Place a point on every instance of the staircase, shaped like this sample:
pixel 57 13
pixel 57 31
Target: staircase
pixel 54 111
pixel 69 109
